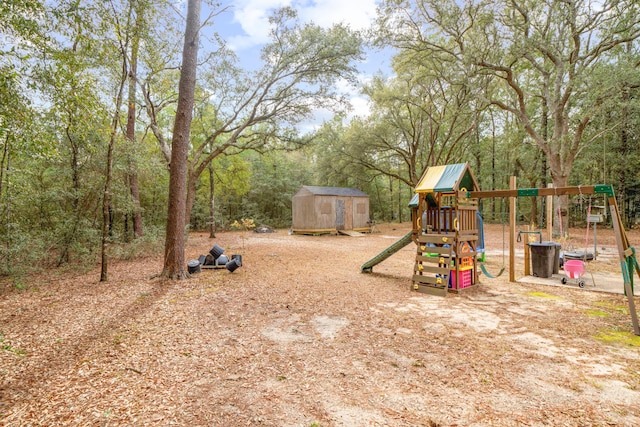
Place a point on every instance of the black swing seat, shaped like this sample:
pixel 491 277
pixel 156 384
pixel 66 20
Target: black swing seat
pixel 582 256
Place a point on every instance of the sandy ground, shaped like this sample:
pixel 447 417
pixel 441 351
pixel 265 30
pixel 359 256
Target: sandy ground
pixel 299 337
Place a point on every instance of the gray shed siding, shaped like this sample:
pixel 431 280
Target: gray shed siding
pixel 326 209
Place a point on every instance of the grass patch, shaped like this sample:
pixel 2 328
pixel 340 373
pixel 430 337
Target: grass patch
pixel 543 295
pixel 611 305
pixel 597 313
pixel 9 348
pixel 619 337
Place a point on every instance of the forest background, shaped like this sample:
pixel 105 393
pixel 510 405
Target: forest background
pixel 546 90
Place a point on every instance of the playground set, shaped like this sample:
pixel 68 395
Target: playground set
pixel 448 232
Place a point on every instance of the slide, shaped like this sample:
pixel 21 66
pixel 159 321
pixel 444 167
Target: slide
pixel 367 267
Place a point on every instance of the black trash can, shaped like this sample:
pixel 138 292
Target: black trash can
pixel 233 265
pixel 542 258
pixel 193 266
pixel 216 251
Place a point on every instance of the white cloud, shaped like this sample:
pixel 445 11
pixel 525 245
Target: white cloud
pixel 357 14
pixel 360 106
pixel 247 29
pixel 253 16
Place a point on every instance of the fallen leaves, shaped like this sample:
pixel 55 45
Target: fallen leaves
pixel 298 336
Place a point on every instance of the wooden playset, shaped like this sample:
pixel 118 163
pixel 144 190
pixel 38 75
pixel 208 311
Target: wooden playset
pixel 445 230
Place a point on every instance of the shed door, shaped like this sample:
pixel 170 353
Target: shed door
pixel 339 214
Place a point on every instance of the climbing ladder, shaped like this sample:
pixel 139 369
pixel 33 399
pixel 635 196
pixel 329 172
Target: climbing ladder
pixel 433 264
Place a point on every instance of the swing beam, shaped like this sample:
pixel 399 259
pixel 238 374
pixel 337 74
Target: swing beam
pixel 628 261
pixel 534 192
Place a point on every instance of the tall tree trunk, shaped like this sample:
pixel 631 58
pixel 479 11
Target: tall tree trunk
pixel 493 167
pixel 174 267
pixel 561 205
pixel 543 170
pixel 5 188
pixel 106 198
pixel 624 151
pixel 391 211
pixel 477 155
pixel 70 234
pixel 212 211
pixel 192 181
pixel 132 169
pixel 5 158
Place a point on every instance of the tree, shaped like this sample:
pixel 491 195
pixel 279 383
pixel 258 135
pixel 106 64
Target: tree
pixel 616 155
pixel 421 117
pixel 123 41
pixel 539 53
pixel 259 110
pixel 19 23
pixel 275 178
pixel 18 28
pixel 64 76
pixel 425 114
pixel 131 177
pixel 175 236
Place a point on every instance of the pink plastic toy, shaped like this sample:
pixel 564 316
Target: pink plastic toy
pixel 574 269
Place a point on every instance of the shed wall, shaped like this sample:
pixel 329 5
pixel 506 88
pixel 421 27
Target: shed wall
pixel 304 212
pixel 322 212
pixel 325 212
pixel 360 212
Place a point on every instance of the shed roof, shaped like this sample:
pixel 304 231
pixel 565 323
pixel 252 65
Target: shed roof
pixel 447 178
pixel 334 191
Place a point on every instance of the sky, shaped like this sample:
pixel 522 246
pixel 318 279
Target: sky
pixel 245 27
pixel 250 25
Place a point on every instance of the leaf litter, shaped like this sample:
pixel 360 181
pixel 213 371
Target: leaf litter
pixel 298 337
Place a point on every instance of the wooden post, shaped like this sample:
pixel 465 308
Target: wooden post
pixel 512 231
pixel 527 254
pixel 623 245
pixel 549 216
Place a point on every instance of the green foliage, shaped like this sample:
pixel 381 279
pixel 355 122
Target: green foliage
pixel 274 181
pixel 449 100
pixel 147 246
pixel 53 167
pixel 19 21
pixel 530 60
pixel 255 186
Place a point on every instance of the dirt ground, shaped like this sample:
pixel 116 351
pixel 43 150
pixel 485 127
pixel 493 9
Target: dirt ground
pixel 299 337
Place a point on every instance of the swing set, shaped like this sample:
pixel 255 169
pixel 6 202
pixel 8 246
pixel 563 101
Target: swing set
pixel 575 260
pixel 446 229
pixel 481 262
pixel 626 252
pixel 575 263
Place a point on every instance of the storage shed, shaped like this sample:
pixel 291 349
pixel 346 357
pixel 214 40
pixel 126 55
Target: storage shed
pixel 325 210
